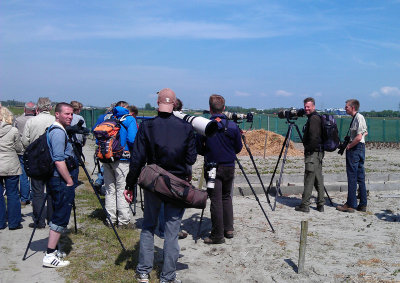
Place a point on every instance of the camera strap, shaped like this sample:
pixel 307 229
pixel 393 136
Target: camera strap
pixel 348 131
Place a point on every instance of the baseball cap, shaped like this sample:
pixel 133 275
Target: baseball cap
pixel 166 100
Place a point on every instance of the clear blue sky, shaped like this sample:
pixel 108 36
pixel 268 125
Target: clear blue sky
pixel 259 54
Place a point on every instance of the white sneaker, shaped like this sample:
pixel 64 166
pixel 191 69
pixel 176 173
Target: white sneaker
pixel 52 260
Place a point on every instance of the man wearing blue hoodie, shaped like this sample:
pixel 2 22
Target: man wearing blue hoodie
pixel 115 173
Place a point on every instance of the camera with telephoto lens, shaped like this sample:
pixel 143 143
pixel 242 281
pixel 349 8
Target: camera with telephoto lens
pixel 291 114
pixel 343 145
pixel 211 168
pixel 239 116
pixel 77 129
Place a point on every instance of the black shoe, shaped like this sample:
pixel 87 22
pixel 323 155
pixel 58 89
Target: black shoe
pixel 228 234
pixel 362 208
pixel 320 208
pixel 302 208
pixel 16 228
pixel 39 226
pixel 212 241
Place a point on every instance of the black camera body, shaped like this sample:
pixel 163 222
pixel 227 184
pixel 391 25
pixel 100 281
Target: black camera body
pixel 291 114
pixel 77 129
pixel 343 145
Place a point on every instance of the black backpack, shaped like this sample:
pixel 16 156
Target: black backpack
pixel 330 133
pixel 38 163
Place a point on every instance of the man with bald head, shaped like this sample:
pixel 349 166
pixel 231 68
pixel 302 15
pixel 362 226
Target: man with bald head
pixel 168 142
pixel 24 185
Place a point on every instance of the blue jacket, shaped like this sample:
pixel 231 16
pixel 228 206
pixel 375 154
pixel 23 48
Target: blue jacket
pixel 128 131
pixel 222 147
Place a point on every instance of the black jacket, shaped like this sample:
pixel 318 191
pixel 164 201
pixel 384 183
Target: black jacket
pixel 166 141
pixel 312 138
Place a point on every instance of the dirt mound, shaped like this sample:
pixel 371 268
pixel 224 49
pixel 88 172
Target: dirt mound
pixel 255 139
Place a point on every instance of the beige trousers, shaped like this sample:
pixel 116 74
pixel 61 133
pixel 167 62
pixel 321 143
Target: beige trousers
pixel 114 181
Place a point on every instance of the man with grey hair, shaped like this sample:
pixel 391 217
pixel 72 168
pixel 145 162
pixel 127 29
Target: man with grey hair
pixel 24 185
pixel 35 127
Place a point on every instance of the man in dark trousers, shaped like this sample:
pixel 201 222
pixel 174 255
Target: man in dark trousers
pixel 313 155
pixel 221 149
pixel 168 142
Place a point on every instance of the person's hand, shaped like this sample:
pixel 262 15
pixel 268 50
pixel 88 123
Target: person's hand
pixel 128 195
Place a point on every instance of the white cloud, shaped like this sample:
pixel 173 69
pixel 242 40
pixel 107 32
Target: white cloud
pixel 386 91
pixel 283 93
pixel 241 93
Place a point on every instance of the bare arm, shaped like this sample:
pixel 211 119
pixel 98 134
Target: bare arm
pixel 355 141
pixel 63 171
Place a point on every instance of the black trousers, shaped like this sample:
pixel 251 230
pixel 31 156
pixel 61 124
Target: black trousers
pixel 221 202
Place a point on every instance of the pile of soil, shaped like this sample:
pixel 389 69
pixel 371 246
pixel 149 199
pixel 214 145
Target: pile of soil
pixel 255 139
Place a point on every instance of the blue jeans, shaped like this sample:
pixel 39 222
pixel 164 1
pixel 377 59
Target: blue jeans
pixel 24 184
pixel 355 158
pixel 10 183
pixel 100 177
pixel 161 221
pixel 172 217
pixel 62 199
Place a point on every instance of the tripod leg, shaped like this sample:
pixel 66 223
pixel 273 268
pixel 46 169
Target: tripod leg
pixel 198 229
pixel 277 163
pixel 254 193
pixel 141 200
pixel 330 200
pixel 255 166
pixel 74 208
pixel 34 228
pixel 82 164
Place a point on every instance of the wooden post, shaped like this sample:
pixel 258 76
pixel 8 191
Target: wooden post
pixel 302 247
pixel 265 144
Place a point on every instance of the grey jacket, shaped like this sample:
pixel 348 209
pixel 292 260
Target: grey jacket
pixel 10 147
pixel 36 126
pixel 20 122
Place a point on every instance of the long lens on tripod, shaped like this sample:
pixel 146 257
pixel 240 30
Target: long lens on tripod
pixel 201 125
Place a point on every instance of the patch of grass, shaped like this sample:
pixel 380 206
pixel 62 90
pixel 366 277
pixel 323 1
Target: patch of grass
pixel 94 252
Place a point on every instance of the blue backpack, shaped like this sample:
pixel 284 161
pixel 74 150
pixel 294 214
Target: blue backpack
pixel 330 133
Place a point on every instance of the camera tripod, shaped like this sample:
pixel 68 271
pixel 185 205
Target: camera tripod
pixel 285 147
pixel 248 181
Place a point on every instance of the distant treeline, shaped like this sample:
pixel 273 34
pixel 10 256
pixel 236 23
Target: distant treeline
pixel 235 109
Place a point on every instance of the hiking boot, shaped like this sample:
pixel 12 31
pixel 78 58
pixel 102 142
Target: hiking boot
pixel 345 208
pixel 52 260
pixel 228 234
pixel 320 208
pixel 302 208
pixel 126 226
pixel 143 277
pixel 212 241
pixel 39 226
pixel 182 235
pixel 362 208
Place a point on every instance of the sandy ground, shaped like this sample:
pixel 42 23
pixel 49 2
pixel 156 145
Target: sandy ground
pixel 341 247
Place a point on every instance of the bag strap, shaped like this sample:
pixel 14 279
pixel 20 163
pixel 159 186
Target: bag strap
pixel 48 130
pixel 167 182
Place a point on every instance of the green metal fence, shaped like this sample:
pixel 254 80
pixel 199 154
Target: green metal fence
pixel 379 129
